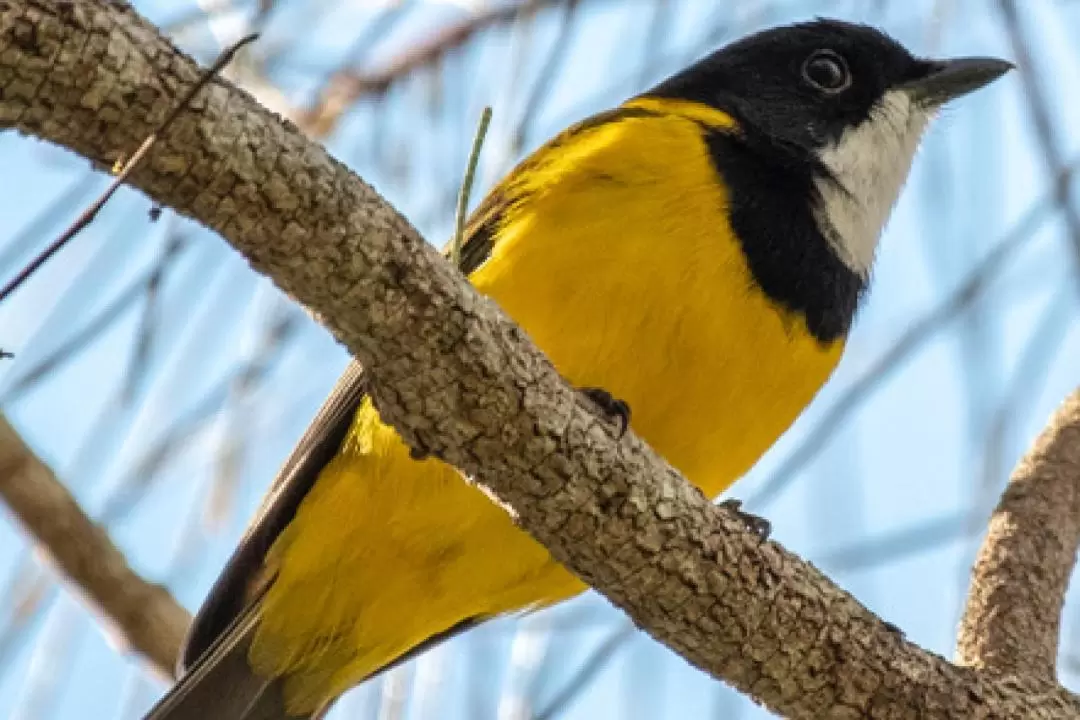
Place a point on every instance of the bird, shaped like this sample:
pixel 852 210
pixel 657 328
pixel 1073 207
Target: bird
pixel 692 260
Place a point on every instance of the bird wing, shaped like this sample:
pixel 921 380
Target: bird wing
pixel 240 581
pixel 244 578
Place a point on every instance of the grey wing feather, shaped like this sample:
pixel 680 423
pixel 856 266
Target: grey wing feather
pixel 217 680
pixel 232 592
pixel 221 684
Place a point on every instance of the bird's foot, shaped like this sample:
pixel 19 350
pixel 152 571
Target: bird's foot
pixel 616 410
pixel 757 525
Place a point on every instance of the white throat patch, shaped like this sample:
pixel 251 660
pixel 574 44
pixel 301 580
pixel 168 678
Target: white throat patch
pixel 871 162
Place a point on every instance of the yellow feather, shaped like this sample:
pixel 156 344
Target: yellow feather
pixel 621 265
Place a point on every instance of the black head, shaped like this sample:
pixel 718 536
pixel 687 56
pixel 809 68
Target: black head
pixel 806 84
pixel 829 117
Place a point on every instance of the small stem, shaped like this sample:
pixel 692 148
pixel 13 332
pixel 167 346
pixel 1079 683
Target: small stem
pixel 122 173
pixel 466 187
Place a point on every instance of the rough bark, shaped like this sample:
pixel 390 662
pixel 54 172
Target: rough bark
pixel 141 616
pixel 459 380
pixel 1013 616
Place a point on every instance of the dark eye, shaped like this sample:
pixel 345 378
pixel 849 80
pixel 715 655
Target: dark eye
pixel 826 71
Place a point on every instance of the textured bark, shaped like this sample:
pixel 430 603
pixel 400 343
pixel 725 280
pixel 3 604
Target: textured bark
pixel 1013 616
pixel 459 380
pixel 142 616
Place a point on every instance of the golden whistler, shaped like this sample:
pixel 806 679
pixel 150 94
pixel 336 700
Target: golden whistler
pixel 694 256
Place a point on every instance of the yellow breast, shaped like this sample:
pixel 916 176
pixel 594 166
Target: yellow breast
pixel 622 267
pixel 624 270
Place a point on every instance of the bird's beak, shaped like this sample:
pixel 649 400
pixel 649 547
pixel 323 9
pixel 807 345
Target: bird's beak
pixel 949 79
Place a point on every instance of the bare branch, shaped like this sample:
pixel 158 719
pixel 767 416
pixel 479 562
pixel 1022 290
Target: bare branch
pixel 1013 616
pixel 345 87
pixel 1053 155
pixel 461 382
pixel 143 616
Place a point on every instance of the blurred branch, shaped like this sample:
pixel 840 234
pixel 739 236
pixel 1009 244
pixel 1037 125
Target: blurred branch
pixel 528 650
pixel 281 328
pixel 1024 389
pixel 1013 615
pixel 143 616
pixel 244 379
pixel 150 320
pixel 70 349
pixel 347 85
pixel 29 591
pixel 386 18
pixel 25 238
pixel 973 286
pixel 201 14
pixel 874 551
pixel 50 664
pixel 545 81
pixel 394 692
pixel 1053 155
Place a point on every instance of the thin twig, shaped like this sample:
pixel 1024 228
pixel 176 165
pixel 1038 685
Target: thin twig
pixel 27 236
pixel 91 212
pixel 466 187
pixel 149 323
pixel 69 349
pixel 1053 156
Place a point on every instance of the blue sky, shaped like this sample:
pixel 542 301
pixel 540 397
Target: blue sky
pixel 912 458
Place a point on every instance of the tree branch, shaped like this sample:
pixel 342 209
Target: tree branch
pixel 142 616
pixel 1053 156
pixel 346 86
pixel 1018 585
pixel 459 380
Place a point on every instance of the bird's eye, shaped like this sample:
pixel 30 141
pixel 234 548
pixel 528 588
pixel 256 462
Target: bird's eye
pixel 826 71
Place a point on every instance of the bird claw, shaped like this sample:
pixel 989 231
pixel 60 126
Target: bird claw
pixel 755 524
pixel 615 409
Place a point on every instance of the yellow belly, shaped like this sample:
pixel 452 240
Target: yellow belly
pixel 630 280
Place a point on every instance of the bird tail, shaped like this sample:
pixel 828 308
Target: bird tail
pixel 221 684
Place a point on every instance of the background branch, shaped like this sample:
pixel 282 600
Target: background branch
pixel 141 616
pixel 1013 615
pixel 1053 156
pixel 347 85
